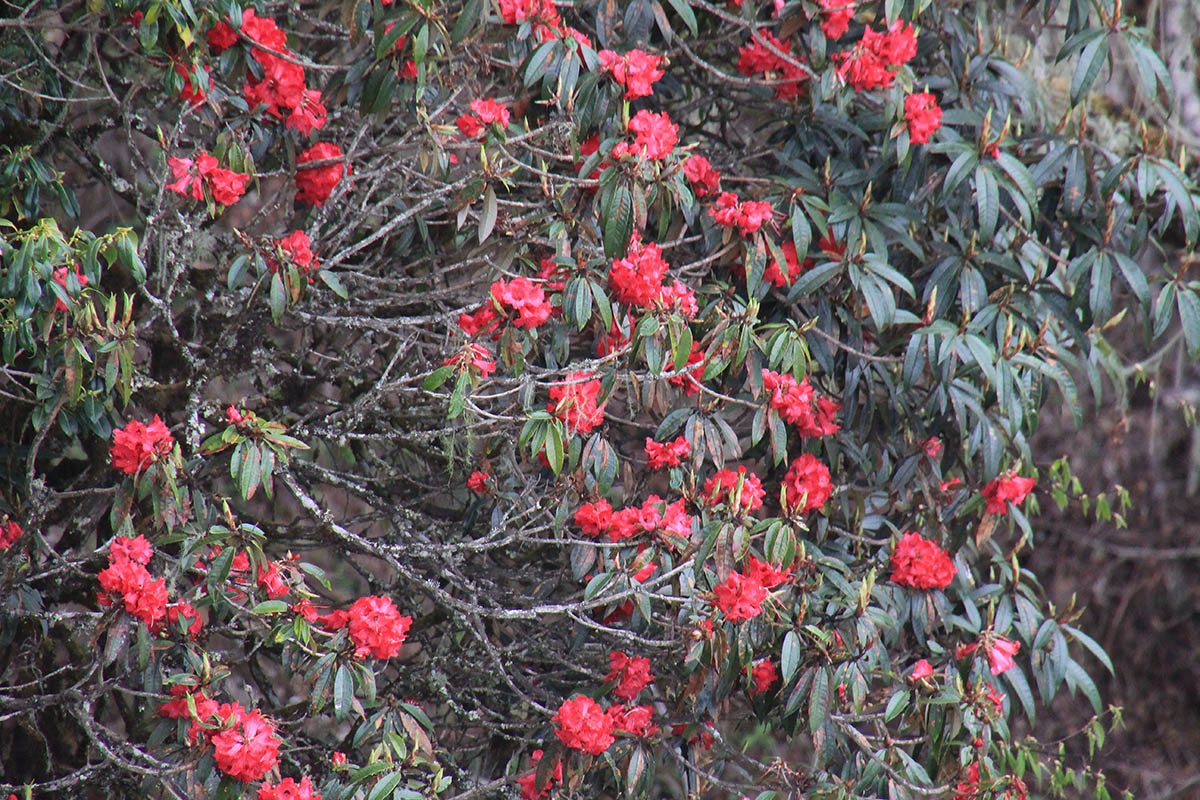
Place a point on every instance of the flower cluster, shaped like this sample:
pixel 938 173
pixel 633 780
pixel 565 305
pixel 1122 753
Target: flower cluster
pixel 923 115
pixel 522 301
pixel 762 676
pixel 316 183
pixel 527 781
pixel 474 357
pixel 666 454
pixel 295 250
pixel 868 65
pixel 655 514
pixel 376 627
pixel 584 725
pixel 704 179
pixel 288 789
pixel 748 216
pixel 544 17
pixel 576 402
pixel 193 176
pixel 126 579
pixel 282 88
pixel 920 564
pixel 741 595
pixel 727 484
pixel 784 275
pixel 486 111
pixel 62 276
pixel 807 484
pixel 837 16
pixel 636 71
pixel 136 446
pixel 10 532
pixel 246 748
pixel 637 279
pixel 478 482
pixel 631 674
pixel 1000 652
pixel 758 58
pixel 655 137
pixel 799 405
pixel 1005 489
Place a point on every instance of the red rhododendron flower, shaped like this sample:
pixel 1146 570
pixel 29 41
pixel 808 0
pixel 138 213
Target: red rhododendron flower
pixel 316 183
pixel 187 182
pixel 800 406
pixel 178 708
pixel 722 487
pixel 923 116
pixel 868 65
pixel 263 30
pixel 376 627
pixel 920 564
pixel 763 572
pixel 1000 655
pixel 838 14
pixel 1007 488
pixel 288 789
pixel 10 532
pixel 526 782
pixel 656 135
pixel 281 87
pixel 221 37
pixel 689 380
pixel 631 674
pixel 763 676
pixel 541 13
pixel 968 787
pixel 191 94
pixel 137 446
pixel 271 580
pixel 473 356
pixel 295 250
pixel 483 320
pixel 576 402
pixel 62 276
pixel 191 177
pixel 637 278
pixel 740 597
pixel 643 574
pixel 128 581
pixel 932 447
pixel 921 669
pixel 637 721
pixel 125 549
pixel 749 216
pixel 524 299
pixel 247 750
pixel 185 611
pixel 678 298
pixel 478 482
pixel 308 114
pixel 808 482
pixel 701 175
pixel 594 518
pixel 757 58
pixel 635 70
pixel 486 111
pixel 583 725
pixel 666 454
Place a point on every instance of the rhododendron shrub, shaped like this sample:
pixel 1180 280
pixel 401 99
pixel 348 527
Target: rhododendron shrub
pixel 638 401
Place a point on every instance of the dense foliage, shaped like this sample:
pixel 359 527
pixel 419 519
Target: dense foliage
pixel 438 399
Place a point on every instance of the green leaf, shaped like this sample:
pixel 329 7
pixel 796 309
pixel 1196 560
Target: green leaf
pixel 618 220
pixel 278 299
pixel 1092 645
pixel 437 378
pixel 1170 175
pixel 335 284
pixel 270 607
pixel 1015 677
pixel 818 700
pixel 385 786
pixel 1091 60
pixel 343 692
pixel 487 220
pixel 685 13
pixel 251 474
pixel 535 69
pixel 789 659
